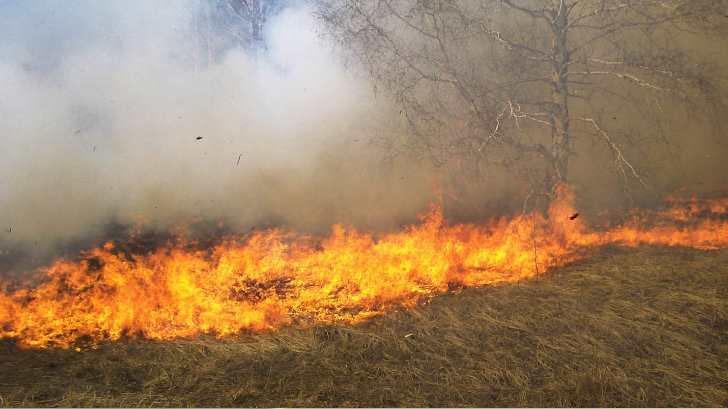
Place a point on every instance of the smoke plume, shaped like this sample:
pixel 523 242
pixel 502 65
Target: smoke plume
pixel 106 117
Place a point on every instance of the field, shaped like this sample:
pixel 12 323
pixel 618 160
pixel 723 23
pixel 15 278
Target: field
pixel 646 327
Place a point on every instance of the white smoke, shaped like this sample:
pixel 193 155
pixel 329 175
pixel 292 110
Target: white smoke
pixel 105 117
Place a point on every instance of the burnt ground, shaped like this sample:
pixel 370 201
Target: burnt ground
pixel 645 327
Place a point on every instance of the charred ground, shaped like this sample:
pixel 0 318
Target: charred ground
pixel 646 327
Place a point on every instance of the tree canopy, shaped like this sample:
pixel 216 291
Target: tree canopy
pixel 527 85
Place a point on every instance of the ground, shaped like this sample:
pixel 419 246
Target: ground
pixel 645 327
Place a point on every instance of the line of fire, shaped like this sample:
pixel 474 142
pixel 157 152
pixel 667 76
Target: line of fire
pixel 352 203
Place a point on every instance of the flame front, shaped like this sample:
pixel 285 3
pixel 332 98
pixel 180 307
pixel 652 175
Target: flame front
pixel 276 278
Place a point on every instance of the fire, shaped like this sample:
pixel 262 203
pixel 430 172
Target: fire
pixel 278 278
pixel 684 210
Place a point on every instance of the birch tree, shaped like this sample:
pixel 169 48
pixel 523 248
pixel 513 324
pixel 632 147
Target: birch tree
pixel 526 84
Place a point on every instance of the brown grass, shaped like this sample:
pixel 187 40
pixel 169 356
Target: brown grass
pixel 642 327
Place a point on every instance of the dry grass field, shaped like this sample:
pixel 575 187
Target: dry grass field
pixel 646 327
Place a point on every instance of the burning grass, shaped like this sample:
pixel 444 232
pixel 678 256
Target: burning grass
pixel 275 279
pixel 641 327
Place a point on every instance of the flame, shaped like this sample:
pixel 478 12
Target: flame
pixel 684 210
pixel 277 278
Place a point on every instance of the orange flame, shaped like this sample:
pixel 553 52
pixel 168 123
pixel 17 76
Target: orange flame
pixel 276 278
pixel 684 210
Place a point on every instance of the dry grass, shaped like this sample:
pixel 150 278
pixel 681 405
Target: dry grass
pixel 644 327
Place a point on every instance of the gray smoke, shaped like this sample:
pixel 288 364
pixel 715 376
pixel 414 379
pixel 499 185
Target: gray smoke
pixel 104 117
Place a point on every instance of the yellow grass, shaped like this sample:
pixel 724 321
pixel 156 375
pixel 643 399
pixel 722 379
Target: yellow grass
pixel 644 327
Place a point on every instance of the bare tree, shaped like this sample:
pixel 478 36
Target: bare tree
pixel 249 18
pixel 220 25
pixel 527 84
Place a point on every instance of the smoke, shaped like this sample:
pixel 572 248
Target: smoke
pixel 109 117
pixel 105 117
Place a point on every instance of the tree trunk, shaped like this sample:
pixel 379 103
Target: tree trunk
pixel 257 21
pixel 560 116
